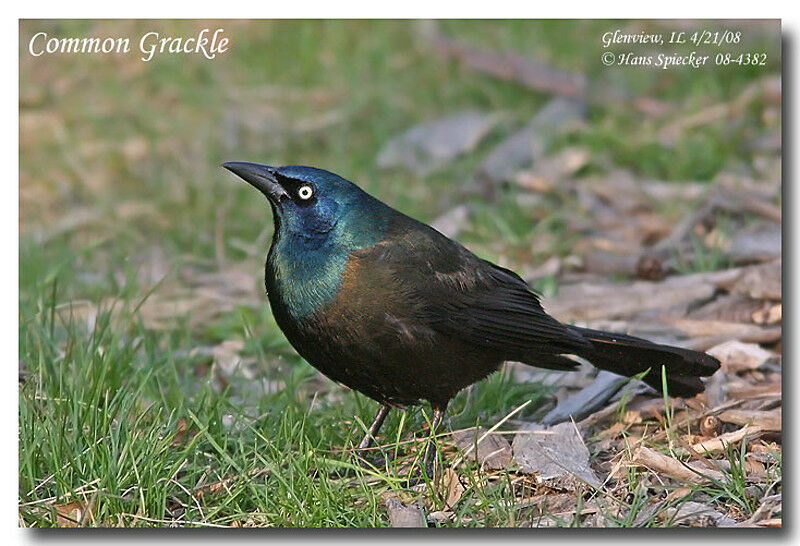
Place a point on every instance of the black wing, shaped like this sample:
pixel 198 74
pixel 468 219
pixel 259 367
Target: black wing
pixel 504 313
pixel 471 299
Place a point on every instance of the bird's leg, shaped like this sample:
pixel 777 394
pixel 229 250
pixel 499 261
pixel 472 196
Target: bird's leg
pixel 373 429
pixel 430 446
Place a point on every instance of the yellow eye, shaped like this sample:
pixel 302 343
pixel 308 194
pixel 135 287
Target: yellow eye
pixel 305 192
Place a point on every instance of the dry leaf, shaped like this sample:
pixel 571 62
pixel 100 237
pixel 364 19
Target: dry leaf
pixel 401 515
pixel 692 511
pixel 736 356
pixel 454 488
pixel 73 514
pixel 759 281
pixel 493 450
pixel 182 433
pixel 709 425
pixel 556 454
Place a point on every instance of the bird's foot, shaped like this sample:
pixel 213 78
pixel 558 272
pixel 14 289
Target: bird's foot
pixel 367 458
pixel 428 472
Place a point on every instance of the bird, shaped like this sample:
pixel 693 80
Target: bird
pixel 390 307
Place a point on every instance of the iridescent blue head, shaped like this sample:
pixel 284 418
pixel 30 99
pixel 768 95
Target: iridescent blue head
pixel 320 218
pixel 313 205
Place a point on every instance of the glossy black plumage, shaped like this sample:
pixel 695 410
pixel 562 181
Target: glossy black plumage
pixel 418 317
pixel 403 314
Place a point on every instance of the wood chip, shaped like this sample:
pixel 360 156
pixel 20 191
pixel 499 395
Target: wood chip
pixel 716 389
pixel 760 242
pixel 511 67
pixel 535 75
pixel 710 328
pixel 528 145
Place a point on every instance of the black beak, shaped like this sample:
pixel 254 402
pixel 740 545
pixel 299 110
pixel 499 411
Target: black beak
pixel 261 177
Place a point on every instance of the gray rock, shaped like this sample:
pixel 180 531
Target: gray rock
pixel 529 144
pixel 429 146
pixel 587 400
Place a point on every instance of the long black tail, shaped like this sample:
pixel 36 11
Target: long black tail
pixel 628 355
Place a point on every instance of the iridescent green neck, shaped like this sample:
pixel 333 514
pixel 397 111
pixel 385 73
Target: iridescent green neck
pixel 305 266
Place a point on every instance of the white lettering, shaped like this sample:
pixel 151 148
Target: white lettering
pixel 148 50
pixel 30 44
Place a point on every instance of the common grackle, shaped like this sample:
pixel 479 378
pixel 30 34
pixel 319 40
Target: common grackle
pixel 394 309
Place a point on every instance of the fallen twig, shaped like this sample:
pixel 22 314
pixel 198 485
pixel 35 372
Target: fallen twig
pixel 721 442
pixel 674 468
pixel 764 420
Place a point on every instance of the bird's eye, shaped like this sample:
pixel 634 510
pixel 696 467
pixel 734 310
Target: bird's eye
pixel 305 192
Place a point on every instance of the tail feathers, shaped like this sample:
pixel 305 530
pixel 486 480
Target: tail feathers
pixel 552 362
pixel 628 355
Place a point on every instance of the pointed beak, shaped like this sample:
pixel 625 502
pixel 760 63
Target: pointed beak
pixel 261 177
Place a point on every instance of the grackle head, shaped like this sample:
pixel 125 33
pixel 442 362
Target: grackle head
pixel 306 201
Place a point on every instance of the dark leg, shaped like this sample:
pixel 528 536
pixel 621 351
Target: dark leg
pixel 359 452
pixel 373 429
pixel 430 447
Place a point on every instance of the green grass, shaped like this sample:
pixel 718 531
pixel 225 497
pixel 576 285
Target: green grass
pixel 110 417
pixel 125 416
